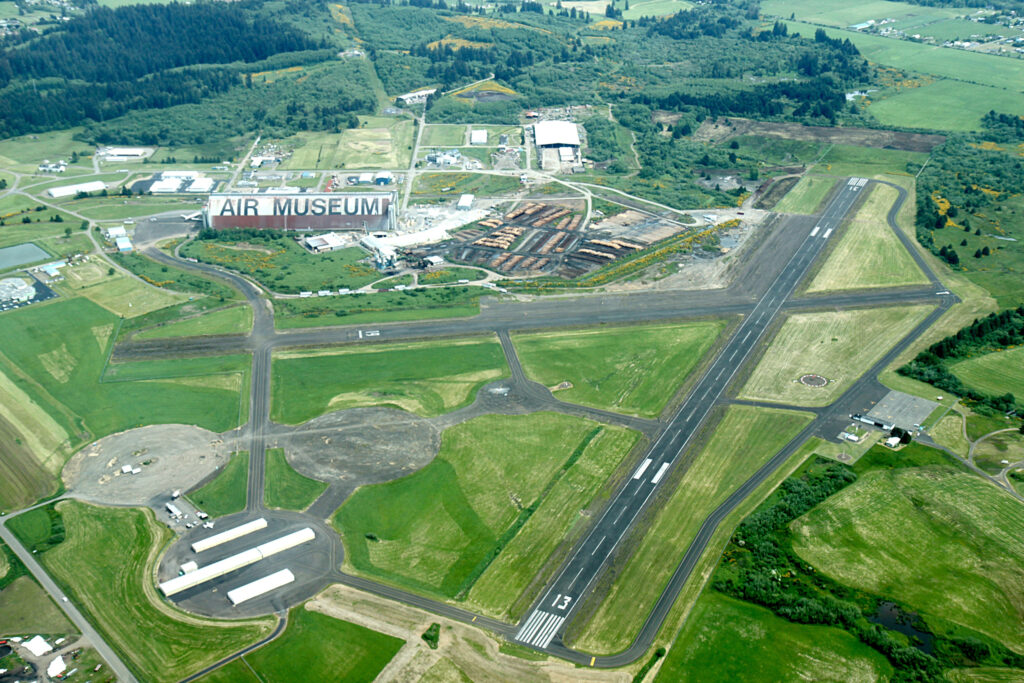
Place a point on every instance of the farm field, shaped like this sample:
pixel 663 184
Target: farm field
pixel 745 439
pixel 829 344
pixel 869 254
pixel 842 14
pixel 635 370
pixel 25 153
pixel 105 566
pixel 234 320
pixel 427 378
pixel 928 105
pixel 26 608
pixel 729 640
pixel 118 293
pixel 807 195
pixel 444 135
pixel 225 494
pixel 378 142
pixel 943 62
pixel 436 530
pixel 993 373
pixel 284 487
pixel 329 649
pixel 502 589
pixel 50 356
pixel 943 542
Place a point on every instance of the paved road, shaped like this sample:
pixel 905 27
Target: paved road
pixel 77 618
pixel 560 601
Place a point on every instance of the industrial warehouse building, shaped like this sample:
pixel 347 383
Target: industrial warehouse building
pixel 558 144
pixel 363 211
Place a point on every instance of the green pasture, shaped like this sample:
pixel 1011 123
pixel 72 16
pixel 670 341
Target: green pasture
pixel 504 589
pixel 943 542
pixel 451 274
pixel 436 530
pixel 378 142
pixel 778 151
pixel 175 279
pixel 26 608
pixel 427 378
pixel 726 640
pixel 842 14
pixel 807 195
pixel 25 153
pixel 60 350
pixel 869 254
pixel 412 304
pixel 993 373
pixel 225 494
pixel 325 648
pixel 744 440
pixel 830 344
pixel 960 65
pixel 284 487
pixel 849 160
pixel 944 105
pixel 106 564
pixel 635 370
pixel 454 184
pixel 282 265
pixel 233 320
pixel 444 135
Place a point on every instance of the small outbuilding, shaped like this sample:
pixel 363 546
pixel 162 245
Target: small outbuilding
pixel 478 137
pixel 465 202
pixel 123 244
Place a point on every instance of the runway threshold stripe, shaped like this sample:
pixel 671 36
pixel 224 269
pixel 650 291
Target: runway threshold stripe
pixel 543 639
pixel 528 627
pixel 538 627
pixel 643 467
pixel 660 474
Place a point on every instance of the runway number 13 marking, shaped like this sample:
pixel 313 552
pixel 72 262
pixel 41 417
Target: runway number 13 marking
pixel 561 602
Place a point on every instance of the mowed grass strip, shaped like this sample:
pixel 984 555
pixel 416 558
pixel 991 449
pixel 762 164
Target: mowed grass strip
pixel 106 567
pixel 993 373
pixel 284 487
pixel 225 494
pixel 559 518
pixel 729 640
pixel 869 254
pixel 807 195
pixel 943 542
pixel 234 320
pixel 634 370
pixel 434 530
pixel 60 350
pixel 745 439
pixel 838 345
pixel 426 378
pixel 323 649
pixel 928 106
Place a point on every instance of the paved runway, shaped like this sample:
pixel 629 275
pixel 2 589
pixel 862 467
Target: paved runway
pixel 545 622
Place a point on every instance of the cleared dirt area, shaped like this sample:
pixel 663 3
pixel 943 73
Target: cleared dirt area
pixel 463 653
pixel 723 129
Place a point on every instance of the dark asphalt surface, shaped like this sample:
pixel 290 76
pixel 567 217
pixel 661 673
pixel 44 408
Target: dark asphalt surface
pixel 559 602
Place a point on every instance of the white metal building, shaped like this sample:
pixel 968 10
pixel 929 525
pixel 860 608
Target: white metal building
pixel 556 134
pixel 229 535
pixel 465 202
pixel 260 586
pixel 70 190
pixel 478 137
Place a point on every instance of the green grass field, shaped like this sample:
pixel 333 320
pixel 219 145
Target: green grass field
pixel 175 279
pixel 728 640
pixel 773 150
pixel 830 344
pixel 869 254
pixel 807 195
pixel 378 142
pixel 106 565
pixel 324 648
pixel 118 293
pixel 842 14
pixel 436 530
pixel 994 450
pixel 412 304
pixel 60 350
pixel 444 135
pixel 427 378
pixel 454 184
pixel 234 320
pixel 745 439
pixel 113 208
pixel 25 153
pixel 283 266
pixel 502 590
pixel 634 370
pixel 225 493
pixel 930 106
pixel 943 542
pixel 284 487
pixel 848 160
pixel 993 373
pixel 26 608
pixel 451 274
